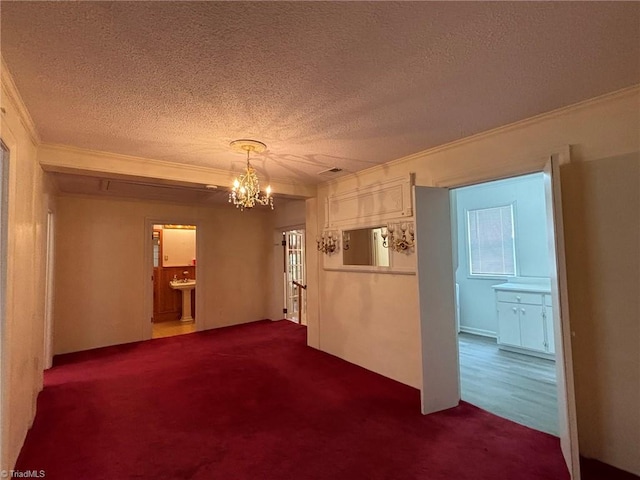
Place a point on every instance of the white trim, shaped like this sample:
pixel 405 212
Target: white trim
pixel 9 305
pixel 561 320
pixel 516 263
pixel 372 269
pixel 526 351
pixel 10 91
pixel 371 204
pixel 4 211
pixel 478 331
pixel 503 168
pixel 49 290
pixel 68 159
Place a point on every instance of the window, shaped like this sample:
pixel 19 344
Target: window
pixel 491 241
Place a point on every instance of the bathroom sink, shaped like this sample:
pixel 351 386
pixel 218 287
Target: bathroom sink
pixel 182 285
pixel 185 287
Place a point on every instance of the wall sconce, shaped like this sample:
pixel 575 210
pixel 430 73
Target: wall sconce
pixel 328 242
pixel 401 241
pixel 346 240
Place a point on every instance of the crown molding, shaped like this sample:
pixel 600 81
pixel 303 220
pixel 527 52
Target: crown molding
pixel 10 91
pixel 527 122
pixel 68 159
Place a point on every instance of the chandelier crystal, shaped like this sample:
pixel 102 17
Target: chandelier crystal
pixel 245 192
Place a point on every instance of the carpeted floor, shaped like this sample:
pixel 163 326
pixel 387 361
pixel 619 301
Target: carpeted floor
pixel 253 402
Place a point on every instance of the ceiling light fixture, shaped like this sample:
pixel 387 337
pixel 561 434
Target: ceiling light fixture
pixel 245 192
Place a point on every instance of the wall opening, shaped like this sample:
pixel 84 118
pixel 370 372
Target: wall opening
pixel 295 276
pixel 4 208
pixel 48 294
pixel 506 336
pixel 174 279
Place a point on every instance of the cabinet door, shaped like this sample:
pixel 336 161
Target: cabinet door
pixel 532 327
pixel 548 321
pixel 508 324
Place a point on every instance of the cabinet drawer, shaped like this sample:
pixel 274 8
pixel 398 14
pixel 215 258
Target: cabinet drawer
pixel 519 297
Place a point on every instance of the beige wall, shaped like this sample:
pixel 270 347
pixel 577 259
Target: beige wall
pixel 22 335
pixel 368 319
pixel 101 271
pixel 602 227
pixel 381 334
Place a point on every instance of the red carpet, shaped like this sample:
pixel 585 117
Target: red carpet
pixel 253 402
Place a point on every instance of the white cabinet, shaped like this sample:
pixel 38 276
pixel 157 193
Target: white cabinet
pixel 508 324
pixel 525 320
pixel 548 321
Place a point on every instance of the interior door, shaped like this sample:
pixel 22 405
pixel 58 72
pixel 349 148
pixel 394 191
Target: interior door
pixel 560 312
pixel 295 273
pixel 436 286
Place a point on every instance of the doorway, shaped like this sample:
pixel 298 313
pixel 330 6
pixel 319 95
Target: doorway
pixel 506 340
pixel 174 279
pixel 436 283
pixel 295 276
pixel 48 295
pixel 4 208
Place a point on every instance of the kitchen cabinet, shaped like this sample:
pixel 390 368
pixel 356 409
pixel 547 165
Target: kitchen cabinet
pixel 525 319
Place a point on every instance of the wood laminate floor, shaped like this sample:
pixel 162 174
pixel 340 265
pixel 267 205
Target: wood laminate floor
pixel 519 387
pixel 169 329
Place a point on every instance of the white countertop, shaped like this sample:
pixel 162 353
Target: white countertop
pixel 523 287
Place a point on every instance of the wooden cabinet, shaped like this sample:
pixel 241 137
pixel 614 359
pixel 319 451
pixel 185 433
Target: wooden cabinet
pixel 167 302
pixel 525 319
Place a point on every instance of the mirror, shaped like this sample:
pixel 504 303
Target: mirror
pixel 364 247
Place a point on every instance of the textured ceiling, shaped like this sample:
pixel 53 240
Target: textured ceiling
pixel 346 84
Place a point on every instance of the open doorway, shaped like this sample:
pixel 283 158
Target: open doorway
pixel 174 279
pixel 438 331
pixel 503 302
pixel 48 293
pixel 295 276
pixel 4 204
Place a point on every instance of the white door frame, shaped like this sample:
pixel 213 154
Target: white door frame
pixel 566 406
pixel 4 238
pixel 301 318
pixel 49 288
pixel 567 419
pixel 149 222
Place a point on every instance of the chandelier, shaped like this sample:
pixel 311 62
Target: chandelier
pixel 245 192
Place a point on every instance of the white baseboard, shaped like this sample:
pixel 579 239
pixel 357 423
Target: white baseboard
pixel 478 331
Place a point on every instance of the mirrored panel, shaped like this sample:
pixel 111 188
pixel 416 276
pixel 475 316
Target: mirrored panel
pixel 364 246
